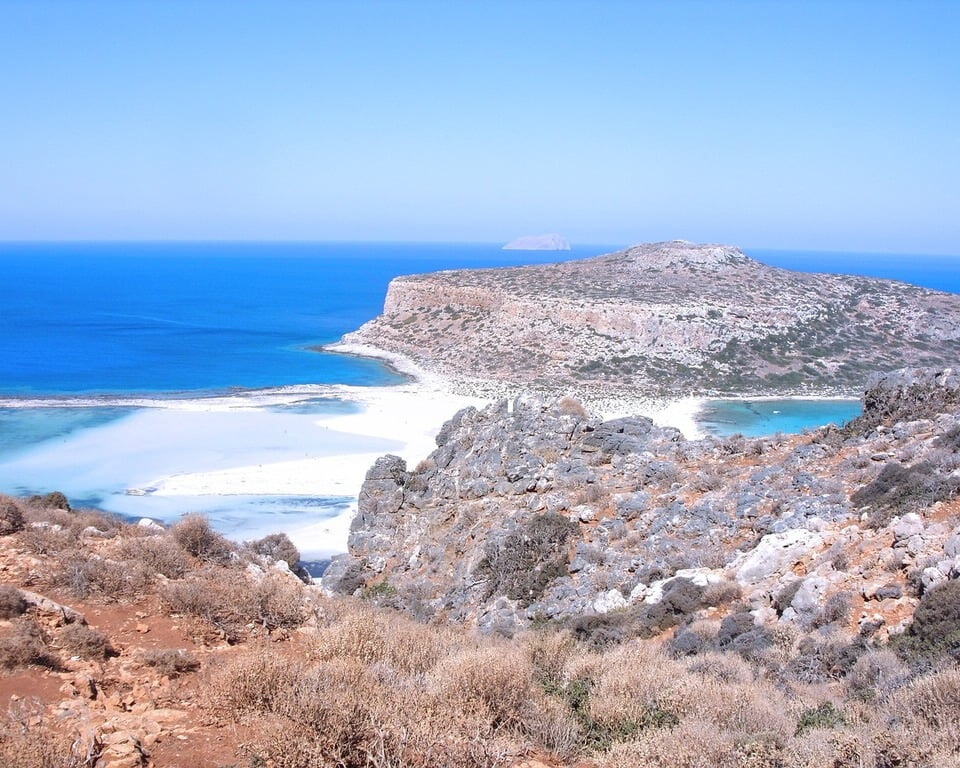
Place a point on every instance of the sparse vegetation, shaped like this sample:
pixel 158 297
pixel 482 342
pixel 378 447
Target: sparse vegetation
pixel 899 489
pixel 528 559
pixel 169 661
pixel 86 642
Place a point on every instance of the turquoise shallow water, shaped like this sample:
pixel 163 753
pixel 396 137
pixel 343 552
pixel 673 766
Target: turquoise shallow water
pixel 759 418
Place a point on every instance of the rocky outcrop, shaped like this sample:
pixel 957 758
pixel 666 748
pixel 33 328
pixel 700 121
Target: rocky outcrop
pixel 530 511
pixel 662 319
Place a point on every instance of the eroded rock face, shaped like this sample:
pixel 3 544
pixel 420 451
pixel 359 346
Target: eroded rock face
pixel 663 318
pixel 531 510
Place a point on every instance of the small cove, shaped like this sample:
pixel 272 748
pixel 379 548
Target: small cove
pixel 766 416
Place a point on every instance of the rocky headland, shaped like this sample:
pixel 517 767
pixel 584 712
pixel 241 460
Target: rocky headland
pixel 663 320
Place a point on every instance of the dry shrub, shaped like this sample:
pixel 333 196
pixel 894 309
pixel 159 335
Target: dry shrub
pixel 724 667
pixel 549 654
pixel 53 500
pixel 692 744
pixel 876 674
pixel 88 643
pixel 169 661
pixel 641 689
pixel 24 645
pixel 92 518
pixel 836 609
pixel 48 516
pixel 195 535
pixel 12 603
pixel 85 574
pixel 338 712
pixel 158 554
pixel 228 601
pixel 634 680
pixel 11 516
pixel 381 638
pixel 496 680
pixel 45 539
pixel 27 740
pixel 570 406
pixel 525 562
pixel 554 726
pixel 932 700
pixel 277 546
pixel 252 683
pixel 721 593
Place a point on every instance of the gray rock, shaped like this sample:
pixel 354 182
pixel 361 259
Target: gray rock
pixel 911 524
pixel 775 552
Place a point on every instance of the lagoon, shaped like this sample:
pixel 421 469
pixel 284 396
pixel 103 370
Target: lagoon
pixel 766 416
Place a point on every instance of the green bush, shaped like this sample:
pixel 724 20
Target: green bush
pixel 823 715
pixel 935 630
pixel 522 565
pixel 899 489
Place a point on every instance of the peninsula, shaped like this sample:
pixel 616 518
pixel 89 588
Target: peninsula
pixel 663 320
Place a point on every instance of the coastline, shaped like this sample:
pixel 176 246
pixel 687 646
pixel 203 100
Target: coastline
pixel 259 462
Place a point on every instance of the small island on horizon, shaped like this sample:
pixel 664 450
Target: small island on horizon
pixel 551 242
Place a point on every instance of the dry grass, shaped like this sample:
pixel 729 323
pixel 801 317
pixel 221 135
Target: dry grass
pixel 28 740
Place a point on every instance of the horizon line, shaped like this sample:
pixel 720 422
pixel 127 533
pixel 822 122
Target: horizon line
pixel 574 245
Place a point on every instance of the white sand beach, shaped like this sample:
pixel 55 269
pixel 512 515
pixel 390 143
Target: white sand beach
pixel 291 459
pixel 408 416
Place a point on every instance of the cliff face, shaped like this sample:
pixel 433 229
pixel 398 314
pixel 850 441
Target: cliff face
pixel 662 319
pixel 530 511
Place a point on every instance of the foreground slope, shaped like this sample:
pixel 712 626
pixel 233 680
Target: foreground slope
pixel 789 602
pixel 665 319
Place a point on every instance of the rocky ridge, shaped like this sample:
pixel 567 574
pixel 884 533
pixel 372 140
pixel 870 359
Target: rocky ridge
pixel 532 511
pixel 664 319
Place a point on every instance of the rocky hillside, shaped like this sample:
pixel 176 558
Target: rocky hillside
pixel 665 319
pixel 532 512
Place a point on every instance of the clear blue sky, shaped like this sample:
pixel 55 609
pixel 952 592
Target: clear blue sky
pixel 819 125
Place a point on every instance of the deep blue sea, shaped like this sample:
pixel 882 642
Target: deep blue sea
pixel 92 334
